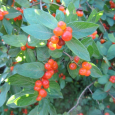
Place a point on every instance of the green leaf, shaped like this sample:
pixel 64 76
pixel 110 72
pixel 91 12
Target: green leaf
pixel 87 41
pixel 34 111
pixel 15 40
pixel 95 112
pixel 112 92
pixel 22 99
pixel 55 53
pixel 30 56
pixel 24 4
pixel 103 80
pixel 12 15
pixel 52 109
pixel 101 106
pixel 99 95
pixel 3 77
pixel 82 29
pixel 3 95
pixel 90 50
pixel 14 52
pixel 7 25
pixel 62 83
pixel 68 79
pixel 98 16
pixel 60 15
pixel 95 71
pixel 47 1
pixel 41 16
pixel 104 67
pixel 108 86
pixel 110 21
pixel 33 70
pixel 110 54
pixel 21 81
pixel 110 112
pixel 111 37
pixel 38 31
pixel 78 49
pixel 42 54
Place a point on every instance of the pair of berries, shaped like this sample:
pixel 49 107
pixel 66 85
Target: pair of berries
pixel 102 41
pixel 112 5
pixel 42 92
pixel 61 75
pixel 65 34
pixel 24 47
pixel 73 66
pixel 2 14
pixel 79 12
pixel 112 79
pixel 20 16
pixel 85 70
pixel 61 8
pixel 105 26
pixel 93 35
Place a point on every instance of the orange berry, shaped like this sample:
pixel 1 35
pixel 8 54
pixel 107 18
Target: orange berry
pixel 62 25
pixel 61 8
pixel 58 31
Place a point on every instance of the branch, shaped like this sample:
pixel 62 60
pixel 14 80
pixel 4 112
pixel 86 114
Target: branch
pixel 41 4
pixel 35 4
pixel 68 55
pixel 80 97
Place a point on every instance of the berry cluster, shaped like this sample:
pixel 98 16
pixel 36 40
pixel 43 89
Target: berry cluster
pixel 51 66
pixel 2 14
pixel 61 75
pixel 105 26
pixel 61 8
pixel 79 12
pixel 20 16
pixel 112 4
pixel 85 70
pixel 112 79
pixel 93 35
pixel 65 34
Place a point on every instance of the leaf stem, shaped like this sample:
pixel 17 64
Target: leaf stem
pixel 41 4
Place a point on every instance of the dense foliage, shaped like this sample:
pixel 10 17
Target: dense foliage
pixel 57 57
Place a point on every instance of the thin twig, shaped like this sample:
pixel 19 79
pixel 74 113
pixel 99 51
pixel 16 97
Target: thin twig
pixel 100 36
pixel 89 5
pixel 56 4
pixel 41 4
pixel 35 4
pixel 68 55
pixel 80 97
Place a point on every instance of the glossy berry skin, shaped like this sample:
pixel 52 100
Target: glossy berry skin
pixel 61 42
pixel 76 59
pixel 62 25
pixel 45 82
pixel 47 75
pixel 86 65
pixel 38 83
pixel 23 48
pixel 94 33
pixel 11 68
pixel 58 1
pixel 46 86
pixel 54 15
pixel 55 65
pixel 67 36
pixel 114 18
pixel 68 29
pixel 30 47
pixel 51 71
pixel 54 39
pixel 51 61
pixel 72 66
pixel 61 8
pixel 48 66
pixel 102 41
pixel 79 13
pixel 1 16
pixel 81 114
pixel 5 13
pixel 37 88
pixel 64 12
pixel 51 46
pixel 106 114
pixel 42 92
pixel 88 72
pixel 39 98
pixel 64 77
pixel 58 46
pixel 58 31
pixel 82 71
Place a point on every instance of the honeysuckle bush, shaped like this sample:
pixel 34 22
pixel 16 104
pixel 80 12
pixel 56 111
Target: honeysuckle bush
pixel 33 22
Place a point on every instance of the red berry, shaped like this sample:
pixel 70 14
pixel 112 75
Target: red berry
pixel 114 18
pixel 54 15
pixel 61 42
pixel 58 1
pixel 67 36
pixel 64 12
pixel 5 13
pixel 68 29
pixel 52 46
pixel 61 8
pixel 45 82
pixel 55 65
pixel 88 72
pixel 47 75
pixel 62 25
pixel 94 33
pixel 1 16
pixel 58 31
pixel 106 114
pixel 15 19
pixel 58 46
pixel 23 48
pixel 19 17
pixel 46 86
pixel 102 41
pixel 82 71
pixel 39 98
pixel 30 47
pixel 48 66
pixel 64 77
pixel 72 66
pixel 37 88
pixel 79 13
pixel 81 114
pixel 51 61
pixel 76 59
pixel 38 83
pixel 86 65
pixel 11 68
pixel 54 39
pixel 42 92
